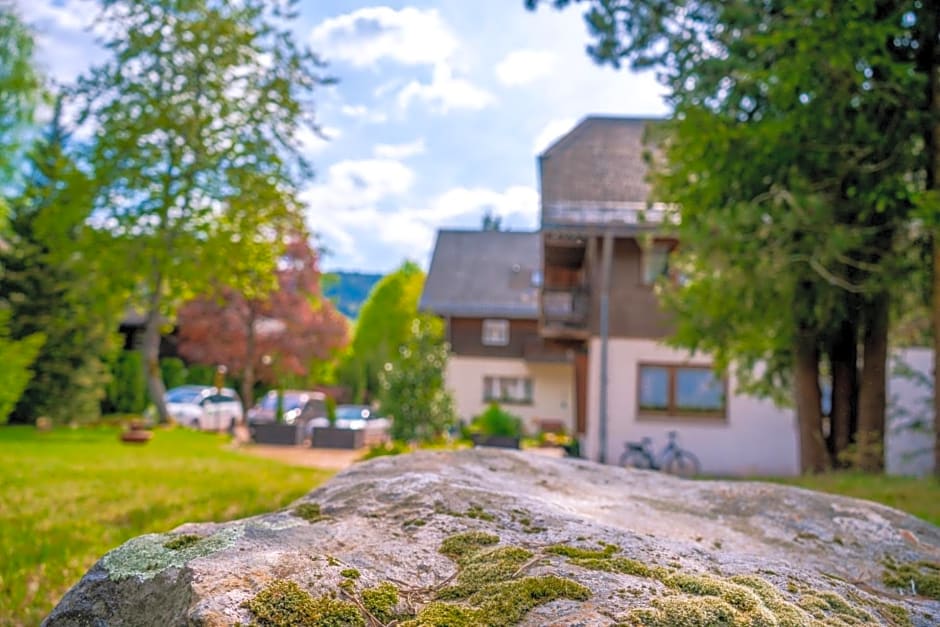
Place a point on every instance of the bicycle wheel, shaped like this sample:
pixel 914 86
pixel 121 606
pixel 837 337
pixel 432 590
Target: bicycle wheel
pixel 683 464
pixel 636 459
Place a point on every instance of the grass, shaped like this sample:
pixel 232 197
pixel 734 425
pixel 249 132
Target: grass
pixel 69 496
pixel 917 496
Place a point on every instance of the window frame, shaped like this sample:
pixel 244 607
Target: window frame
pixel 487 339
pixel 673 410
pixel 645 258
pixel 528 387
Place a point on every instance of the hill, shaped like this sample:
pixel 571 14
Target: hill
pixel 349 290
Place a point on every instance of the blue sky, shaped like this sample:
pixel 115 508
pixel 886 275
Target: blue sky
pixel 438 115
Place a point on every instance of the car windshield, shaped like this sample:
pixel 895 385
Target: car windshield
pixel 184 395
pixel 291 401
pixel 353 412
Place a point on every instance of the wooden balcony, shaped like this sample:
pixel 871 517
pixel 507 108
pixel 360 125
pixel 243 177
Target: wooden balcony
pixel 564 313
pixel 587 216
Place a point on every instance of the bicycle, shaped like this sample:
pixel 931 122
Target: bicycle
pixel 673 459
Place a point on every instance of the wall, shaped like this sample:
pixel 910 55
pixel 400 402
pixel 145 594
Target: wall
pixel 909 437
pixel 552 387
pixel 466 337
pixel 756 437
pixel 634 307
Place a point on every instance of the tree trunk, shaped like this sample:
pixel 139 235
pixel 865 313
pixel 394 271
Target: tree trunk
pixel 813 457
pixel 248 374
pixel 150 351
pixel 843 418
pixel 872 397
pixel 929 63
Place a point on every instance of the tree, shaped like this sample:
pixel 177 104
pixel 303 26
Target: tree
pixel 292 326
pixel 491 222
pixel 197 117
pixel 412 385
pixel 53 293
pixel 20 89
pixel 383 326
pixel 19 94
pixel 805 174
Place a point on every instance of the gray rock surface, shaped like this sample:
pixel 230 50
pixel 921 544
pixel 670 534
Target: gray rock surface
pixel 625 547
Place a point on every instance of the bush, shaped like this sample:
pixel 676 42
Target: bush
pixel 127 392
pixel 198 374
pixel 173 371
pixel 395 447
pixel 497 421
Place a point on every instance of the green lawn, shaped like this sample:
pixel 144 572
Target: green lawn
pixel 920 497
pixel 69 496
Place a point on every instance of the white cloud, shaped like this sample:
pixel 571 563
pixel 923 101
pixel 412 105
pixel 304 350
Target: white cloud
pixel 445 92
pixel 519 203
pixel 361 112
pixel 400 151
pixel 410 36
pixel 551 132
pixel 312 143
pixel 521 67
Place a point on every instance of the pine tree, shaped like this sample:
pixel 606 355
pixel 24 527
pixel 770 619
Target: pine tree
pixel 48 292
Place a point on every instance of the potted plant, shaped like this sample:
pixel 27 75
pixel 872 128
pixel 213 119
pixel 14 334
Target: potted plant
pixel 496 427
pixel 337 437
pixel 136 433
pixel 278 431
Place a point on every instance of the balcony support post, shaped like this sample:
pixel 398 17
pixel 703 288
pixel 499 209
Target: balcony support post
pixel 607 252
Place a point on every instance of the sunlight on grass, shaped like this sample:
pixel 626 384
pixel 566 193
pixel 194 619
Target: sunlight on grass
pixel 920 497
pixel 68 497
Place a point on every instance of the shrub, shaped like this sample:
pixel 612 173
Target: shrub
pixel 127 391
pixel 173 371
pixel 198 374
pixel 497 421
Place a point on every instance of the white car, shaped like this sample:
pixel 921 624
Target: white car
pixel 204 407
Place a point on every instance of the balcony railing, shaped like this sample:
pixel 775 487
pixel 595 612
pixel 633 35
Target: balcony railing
pixel 565 307
pixel 635 214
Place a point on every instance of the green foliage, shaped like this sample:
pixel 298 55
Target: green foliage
pixel 53 476
pixel 384 325
pixel 126 392
pixel 173 371
pixel 497 421
pixel 16 357
pixel 413 392
pixel 384 449
pixel 19 89
pixel 206 118
pixel 331 410
pixel 198 374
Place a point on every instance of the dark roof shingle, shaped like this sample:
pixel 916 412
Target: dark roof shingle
pixel 483 273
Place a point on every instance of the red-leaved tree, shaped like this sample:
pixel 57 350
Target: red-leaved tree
pixel 266 338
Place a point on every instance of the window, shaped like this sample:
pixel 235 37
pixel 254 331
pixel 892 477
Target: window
pixel 680 390
pixel 511 390
pixel 655 262
pixel 495 332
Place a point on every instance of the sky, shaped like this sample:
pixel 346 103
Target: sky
pixel 437 116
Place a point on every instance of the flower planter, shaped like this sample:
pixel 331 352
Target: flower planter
pixel 277 433
pixel 498 441
pixel 334 437
pixel 136 436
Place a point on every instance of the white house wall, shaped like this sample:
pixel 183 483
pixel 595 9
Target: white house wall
pixel 552 388
pixel 909 434
pixel 756 438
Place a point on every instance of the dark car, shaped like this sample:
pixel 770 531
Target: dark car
pixel 298 406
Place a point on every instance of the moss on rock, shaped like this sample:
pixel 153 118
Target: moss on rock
pixel 285 604
pixel 309 512
pixel 921 577
pixel 182 541
pixel 381 601
pixel 458 545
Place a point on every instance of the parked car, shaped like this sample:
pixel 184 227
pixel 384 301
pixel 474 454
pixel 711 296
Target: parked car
pixel 352 417
pixel 299 406
pixel 204 407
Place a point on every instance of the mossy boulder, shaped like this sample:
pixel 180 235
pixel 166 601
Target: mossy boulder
pixel 510 537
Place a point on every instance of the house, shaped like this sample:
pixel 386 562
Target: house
pixel 565 322
pixel 485 286
pixel 603 250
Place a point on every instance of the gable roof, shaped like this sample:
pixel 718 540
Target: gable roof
pixel 483 273
pixel 601 160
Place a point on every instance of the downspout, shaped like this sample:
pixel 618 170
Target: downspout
pixel 606 256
